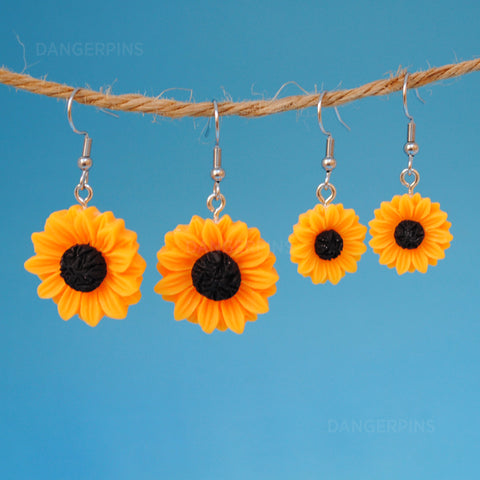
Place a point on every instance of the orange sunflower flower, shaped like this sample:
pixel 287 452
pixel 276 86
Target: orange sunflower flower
pixel 327 242
pixel 218 274
pixel 88 264
pixel 410 233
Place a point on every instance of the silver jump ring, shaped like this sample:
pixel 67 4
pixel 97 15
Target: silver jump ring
pixel 410 185
pixel 216 211
pixel 83 201
pixel 333 192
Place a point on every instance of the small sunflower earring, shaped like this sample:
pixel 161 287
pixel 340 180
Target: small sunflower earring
pixel 218 273
pixel 328 240
pixel 88 261
pixel 410 232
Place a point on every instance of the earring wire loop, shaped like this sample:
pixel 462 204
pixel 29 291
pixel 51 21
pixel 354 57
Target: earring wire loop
pixel 217 122
pixel 404 94
pixel 69 113
pixel 319 115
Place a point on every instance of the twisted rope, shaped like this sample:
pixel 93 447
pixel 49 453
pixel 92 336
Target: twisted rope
pixel 134 102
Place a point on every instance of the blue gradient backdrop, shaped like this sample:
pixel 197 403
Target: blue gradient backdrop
pixel 375 378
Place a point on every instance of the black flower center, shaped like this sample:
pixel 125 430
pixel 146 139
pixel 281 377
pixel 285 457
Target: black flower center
pixel 216 276
pixel 409 234
pixel 83 268
pixel 328 245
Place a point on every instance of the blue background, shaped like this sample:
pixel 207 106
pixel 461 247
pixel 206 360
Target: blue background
pixel 377 377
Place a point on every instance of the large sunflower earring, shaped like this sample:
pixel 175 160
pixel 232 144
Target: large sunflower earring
pixel 88 261
pixel 410 232
pixel 328 240
pixel 218 273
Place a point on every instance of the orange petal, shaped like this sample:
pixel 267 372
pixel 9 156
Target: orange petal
pixel 334 272
pixel 251 300
pixel 51 286
pixel 406 206
pixel 302 249
pixel 45 244
pixel 69 303
pixel 354 248
pixel 42 265
pixel 189 243
pixel 432 249
pixel 268 292
pixel 90 311
pixel 221 325
pixel 438 236
pixel 389 213
pixel 420 261
pixel 354 232
pixel 379 226
pixel 235 238
pixel 174 283
pixel 332 216
pixel 256 279
pixel 175 260
pixel 319 273
pixel 304 235
pixel 85 228
pixel 112 303
pixel 434 220
pixel 381 241
pixel 122 283
pixel 422 209
pixel 306 264
pixel 224 224
pixel 119 259
pixel 389 254
pixel 304 218
pixel 60 229
pixel 348 220
pixel 253 255
pixel 108 234
pixel 347 263
pixel 233 315
pixel 317 219
pixel 138 266
pixel 403 261
pixel 211 235
pixel 133 299
pixel 253 235
pixel 208 314
pixel 186 302
pixel 196 225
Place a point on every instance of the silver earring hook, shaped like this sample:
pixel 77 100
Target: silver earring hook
pixel 217 173
pixel 411 147
pixel 404 93
pixel 329 162
pixel 69 113
pixel 319 114
pixel 217 122
pixel 84 162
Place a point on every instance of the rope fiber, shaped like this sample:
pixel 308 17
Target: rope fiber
pixel 134 102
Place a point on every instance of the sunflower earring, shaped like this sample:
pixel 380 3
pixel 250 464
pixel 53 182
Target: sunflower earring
pixel 328 240
pixel 218 273
pixel 88 261
pixel 410 232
